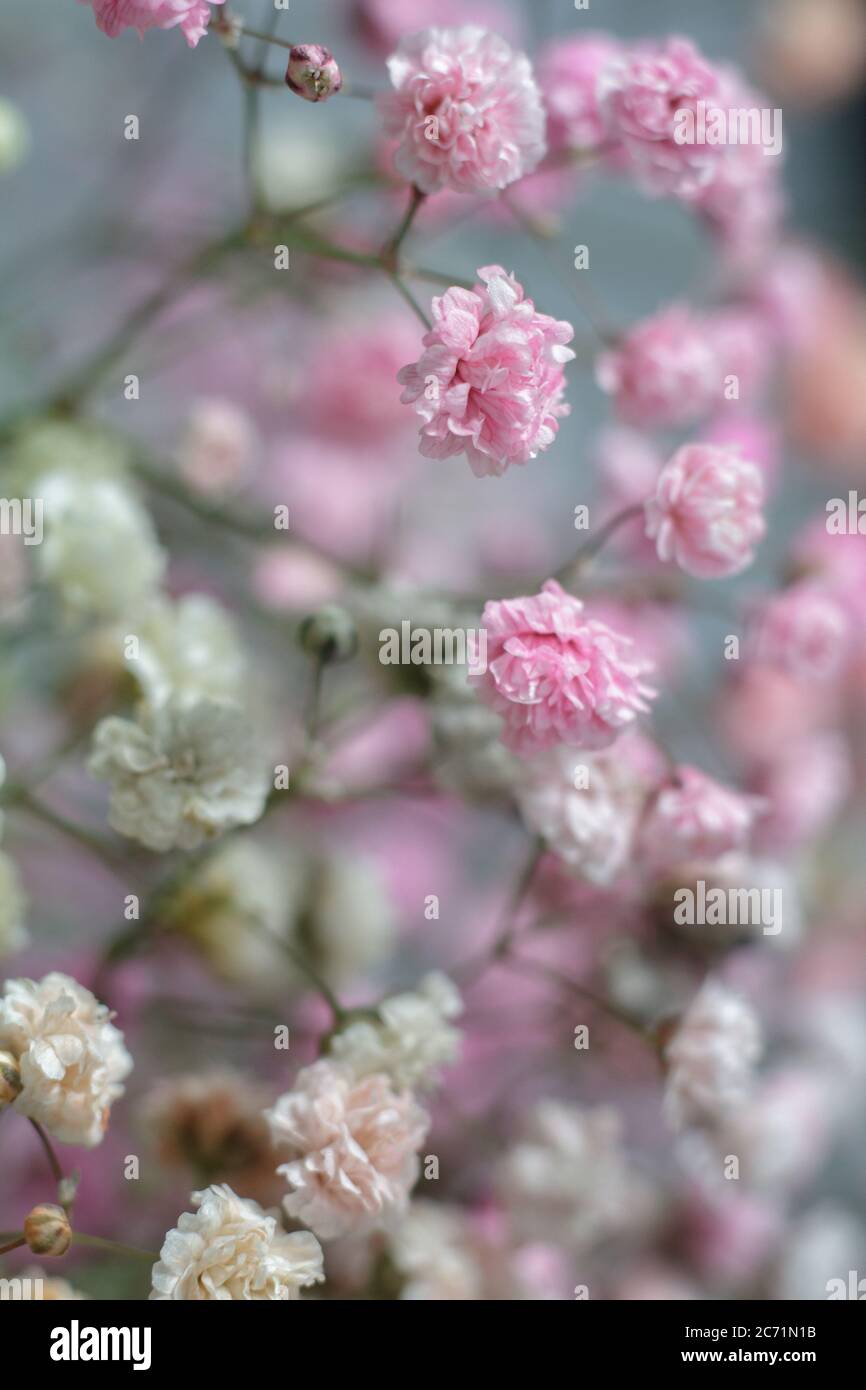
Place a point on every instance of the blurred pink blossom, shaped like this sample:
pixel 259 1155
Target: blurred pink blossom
pixel 706 513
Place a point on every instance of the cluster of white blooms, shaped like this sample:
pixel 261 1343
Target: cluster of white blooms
pixel 186 648
pixel 229 1248
pixel 74 448
pixel 99 549
pixel 430 1249
pixel 351 1149
pixel 181 773
pixel 710 1057
pixel 409 1039
pixel 567 1179
pixel 71 1058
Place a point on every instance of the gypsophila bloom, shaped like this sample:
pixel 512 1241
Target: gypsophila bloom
pixel 228 1248
pixel 212 1123
pixel 13 905
pixel 352 1149
pixel 586 811
pixel 556 676
pixel 100 550
pixel 182 774
pixel 803 630
pixel 706 512
pixel 312 72
pixel 466 111
pixel 566 1179
pixel 665 372
pixel 642 96
pixel 218 445
pixel 568 72
pixel 490 381
pixel 71 1057
pixel 432 1251
pixel 412 1038
pixel 710 1058
pixel 186 648
pixel 693 816
pixel 191 16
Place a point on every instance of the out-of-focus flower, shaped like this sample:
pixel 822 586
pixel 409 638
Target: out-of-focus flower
pixel 568 72
pixel 312 72
pixel 411 1038
pixel 781 1134
pixel 694 816
pixel 352 1149
pixel 466 110
pixel 490 381
pixel 431 1248
pixel 706 512
pixel 642 96
pixel 346 387
pixel 803 630
pixel 384 22
pixel 729 1234
pixel 228 1248
pixel 13 907
pixel 192 16
pixel 182 773
pixel 212 1122
pixel 803 786
pixel 71 1057
pixel 819 1249
pixel 556 676
pixel 710 1058
pixel 45 1287
pixel 567 1180
pixel 811 54
pixel 186 648
pixel 216 452
pixel 585 811
pixel 47 1230
pixel 14 136
pixel 665 372
pixel 100 550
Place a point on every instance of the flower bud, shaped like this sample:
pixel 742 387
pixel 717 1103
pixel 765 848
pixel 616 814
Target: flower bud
pixel 10 1079
pixel 329 634
pixel 312 72
pixel 47 1230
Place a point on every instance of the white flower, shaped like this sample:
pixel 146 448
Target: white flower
pixel 230 1249
pixel 352 1146
pixel 410 1040
pixel 584 807
pixel 431 1250
pixel 710 1057
pixel 99 548
pixel 216 454
pixel 71 1057
pixel 84 452
pixel 182 774
pixel 567 1181
pixel 14 136
pixel 13 935
pixel 187 648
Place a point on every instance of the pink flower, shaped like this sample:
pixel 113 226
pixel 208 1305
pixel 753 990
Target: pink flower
pixel 706 512
pixel 710 1058
pixel 665 372
pixel 568 75
pixel 218 446
pixel 641 96
pixel 803 630
pixel 193 16
pixel 695 816
pixel 466 110
pixel 346 385
pixel 312 72
pixel 490 381
pixel 352 1146
pixel 804 785
pixel 556 676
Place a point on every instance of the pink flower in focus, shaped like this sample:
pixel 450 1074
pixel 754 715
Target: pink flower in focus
pixel 803 630
pixel 665 372
pixel 193 16
pixel 556 676
pixel 568 72
pixel 640 96
pixel 352 1149
pixel 466 110
pixel 706 513
pixel 695 816
pixel 490 381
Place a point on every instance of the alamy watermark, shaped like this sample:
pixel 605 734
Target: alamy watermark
pixel 706 124
pixel 434 646
pixel 22 516
pixel 729 907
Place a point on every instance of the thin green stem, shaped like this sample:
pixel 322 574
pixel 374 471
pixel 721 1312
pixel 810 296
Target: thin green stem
pixel 53 1161
pixel 591 549
pixel 410 299
pixel 12 1245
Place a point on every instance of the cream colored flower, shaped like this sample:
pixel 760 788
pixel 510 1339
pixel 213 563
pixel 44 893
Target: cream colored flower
pixel 186 648
pixel 710 1057
pixel 71 1057
pixel 181 774
pixel 411 1039
pixel 13 934
pixel 433 1252
pixel 99 549
pixel 352 1149
pixel 230 1249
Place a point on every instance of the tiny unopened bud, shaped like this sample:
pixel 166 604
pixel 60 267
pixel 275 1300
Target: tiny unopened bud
pixel 312 72
pixel 329 634
pixel 47 1230
pixel 10 1079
